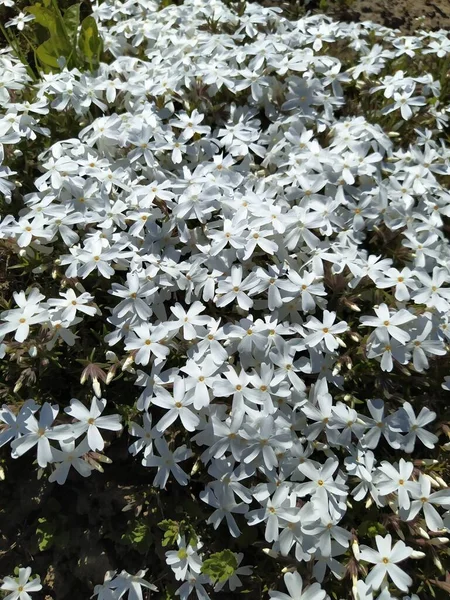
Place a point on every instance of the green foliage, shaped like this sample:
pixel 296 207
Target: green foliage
pixel 80 47
pixel 173 529
pixel 90 43
pixel 371 529
pixel 138 535
pixel 220 566
pixel 45 532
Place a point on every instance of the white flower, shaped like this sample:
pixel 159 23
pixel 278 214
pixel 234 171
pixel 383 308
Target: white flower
pixel 34 432
pixel 176 406
pixel 90 421
pixel 20 586
pixel 385 560
pixel 325 330
pixel 294 584
pixel 387 321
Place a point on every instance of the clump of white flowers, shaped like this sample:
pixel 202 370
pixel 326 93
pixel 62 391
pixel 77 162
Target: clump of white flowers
pixel 260 239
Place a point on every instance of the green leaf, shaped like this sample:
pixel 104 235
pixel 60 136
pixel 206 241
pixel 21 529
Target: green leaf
pixel 72 21
pixel 44 16
pixel 58 43
pixel 48 55
pixel 90 42
pixel 172 531
pixel 138 536
pixel 220 566
pixel 45 532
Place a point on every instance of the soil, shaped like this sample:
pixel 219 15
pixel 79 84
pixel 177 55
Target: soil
pixel 406 15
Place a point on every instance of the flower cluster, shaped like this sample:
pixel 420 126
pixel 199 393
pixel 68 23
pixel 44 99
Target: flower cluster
pixel 252 243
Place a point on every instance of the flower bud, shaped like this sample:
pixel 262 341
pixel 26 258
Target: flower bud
pixel 127 364
pixel 417 554
pixel 425 462
pixel 432 481
pixel 270 552
pixel 440 481
pixel 96 387
pixel 111 356
pixel 101 457
pixel 439 541
pixel 421 531
pixel 110 375
pixel 438 563
pixel 355 548
pixel 195 468
pixel 287 570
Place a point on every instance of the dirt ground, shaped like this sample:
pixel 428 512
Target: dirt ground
pixel 407 15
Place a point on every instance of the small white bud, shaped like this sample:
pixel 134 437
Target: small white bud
pixel 440 481
pixel 195 468
pixel 421 531
pixel 438 563
pixel 96 387
pixel 432 481
pixel 270 552
pixel 110 376
pixel 417 554
pixel 438 541
pixel 127 364
pixel 355 549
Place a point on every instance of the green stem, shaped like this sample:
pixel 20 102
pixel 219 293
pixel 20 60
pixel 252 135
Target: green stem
pixel 16 48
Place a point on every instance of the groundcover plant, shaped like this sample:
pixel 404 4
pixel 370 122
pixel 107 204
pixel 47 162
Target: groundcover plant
pixel 225 305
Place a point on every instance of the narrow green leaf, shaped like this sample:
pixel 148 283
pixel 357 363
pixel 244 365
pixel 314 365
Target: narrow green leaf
pixel 72 21
pixel 90 42
pixel 48 56
pixel 44 16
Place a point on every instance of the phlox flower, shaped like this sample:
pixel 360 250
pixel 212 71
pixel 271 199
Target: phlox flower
pixel 397 480
pixel 425 500
pixel 233 288
pixel 321 479
pixel 20 319
pixel 90 421
pixel 294 584
pixel 69 456
pixel 414 426
pixel 325 330
pixel 39 433
pixel 186 557
pixel 385 321
pixel 167 463
pixel 21 586
pixel 176 405
pixel 385 559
